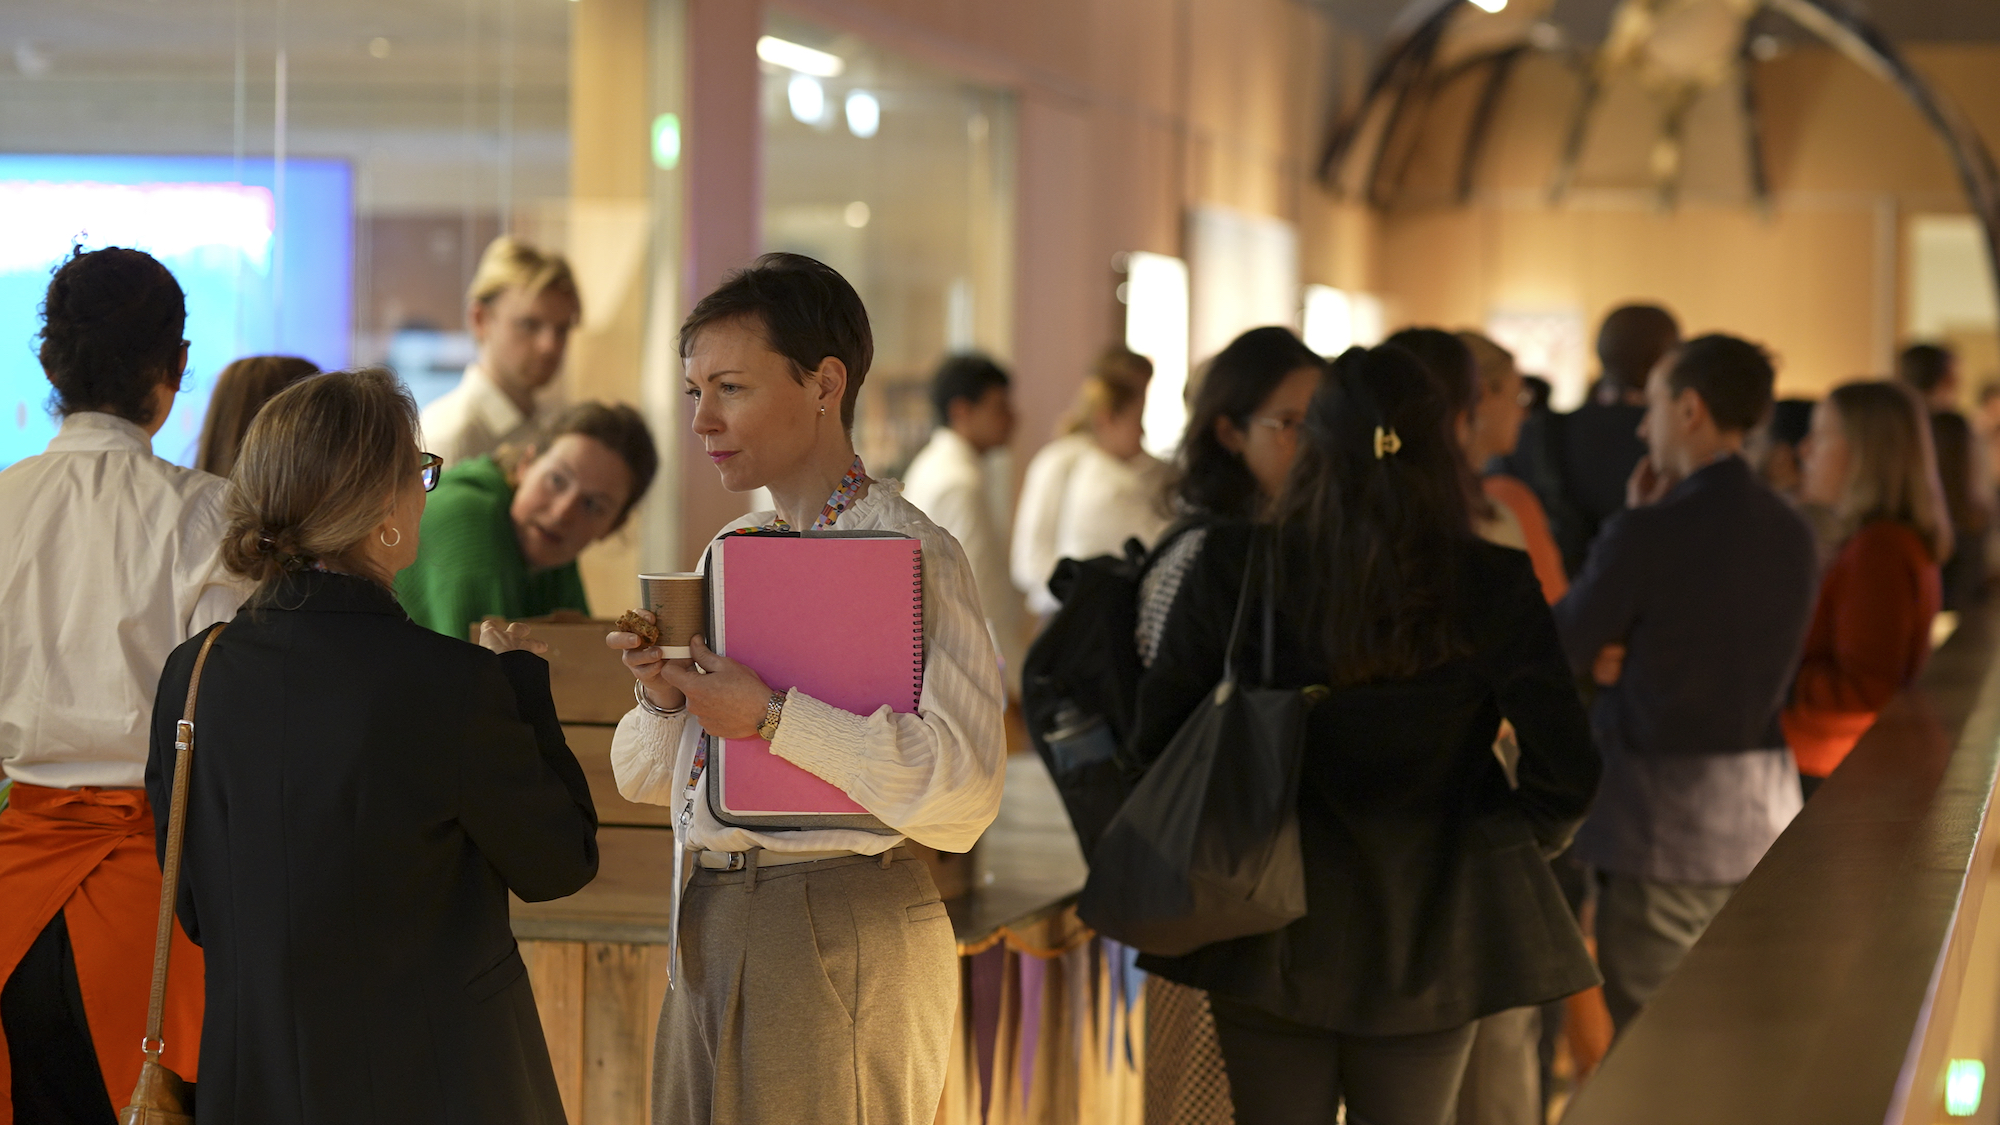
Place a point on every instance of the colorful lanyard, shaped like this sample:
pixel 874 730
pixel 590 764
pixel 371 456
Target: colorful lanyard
pixel 842 499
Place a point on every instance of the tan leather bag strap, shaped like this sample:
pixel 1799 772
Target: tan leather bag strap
pixel 170 871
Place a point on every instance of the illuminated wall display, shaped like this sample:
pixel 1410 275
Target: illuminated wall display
pixel 1156 326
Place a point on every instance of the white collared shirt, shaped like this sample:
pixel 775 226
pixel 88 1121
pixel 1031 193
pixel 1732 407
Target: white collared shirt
pixel 934 776
pixel 109 561
pixel 947 482
pixel 471 419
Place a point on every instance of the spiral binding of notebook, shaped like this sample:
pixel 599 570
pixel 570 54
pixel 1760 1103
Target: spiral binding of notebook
pixel 917 633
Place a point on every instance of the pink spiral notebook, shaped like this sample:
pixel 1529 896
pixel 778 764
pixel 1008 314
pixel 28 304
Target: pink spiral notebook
pixel 837 615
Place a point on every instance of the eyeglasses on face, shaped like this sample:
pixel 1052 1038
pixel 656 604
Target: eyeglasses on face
pixel 431 466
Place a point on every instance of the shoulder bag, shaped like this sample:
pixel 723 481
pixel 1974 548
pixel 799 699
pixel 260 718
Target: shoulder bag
pixel 161 1097
pixel 1207 846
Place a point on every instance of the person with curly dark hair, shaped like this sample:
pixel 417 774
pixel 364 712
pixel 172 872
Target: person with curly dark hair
pixel 110 560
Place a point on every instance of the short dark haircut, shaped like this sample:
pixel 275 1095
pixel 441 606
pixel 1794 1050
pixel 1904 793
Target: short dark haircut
pixel 968 376
pixel 805 311
pixel 1631 342
pixel 1444 355
pixel 1924 366
pixel 613 425
pixel 1538 390
pixel 1734 378
pixel 1791 420
pixel 111 332
pixel 1209 479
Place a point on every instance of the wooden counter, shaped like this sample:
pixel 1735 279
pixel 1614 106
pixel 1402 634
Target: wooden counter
pixel 598 958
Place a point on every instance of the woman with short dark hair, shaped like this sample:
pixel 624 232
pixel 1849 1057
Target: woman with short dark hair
pixel 363 796
pixel 1430 904
pixel 818 976
pixel 502 535
pixel 108 561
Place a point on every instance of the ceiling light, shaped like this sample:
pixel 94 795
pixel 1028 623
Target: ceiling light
pixel 379 47
pixel 807 97
pixel 799 57
pixel 856 214
pixel 864 113
pixel 1490 5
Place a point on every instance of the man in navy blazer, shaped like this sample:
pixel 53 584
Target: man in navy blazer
pixel 1690 612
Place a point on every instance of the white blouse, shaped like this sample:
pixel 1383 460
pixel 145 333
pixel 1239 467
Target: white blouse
pixel 108 563
pixel 1078 502
pixel 934 776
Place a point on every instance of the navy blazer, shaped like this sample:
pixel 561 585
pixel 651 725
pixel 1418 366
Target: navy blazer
pixel 1710 590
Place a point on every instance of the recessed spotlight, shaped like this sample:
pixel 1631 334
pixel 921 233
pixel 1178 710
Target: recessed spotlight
pixel 864 113
pixel 379 47
pixel 807 98
pixel 856 214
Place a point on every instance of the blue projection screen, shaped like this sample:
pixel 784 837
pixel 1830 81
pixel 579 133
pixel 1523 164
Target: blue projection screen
pixel 255 284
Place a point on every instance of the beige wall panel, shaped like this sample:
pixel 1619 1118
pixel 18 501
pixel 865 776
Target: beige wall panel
pixel 1062 287
pixel 1133 183
pixel 1135 54
pixel 1801 283
pixel 607 238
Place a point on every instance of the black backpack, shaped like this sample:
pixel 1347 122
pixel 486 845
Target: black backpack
pixel 1080 684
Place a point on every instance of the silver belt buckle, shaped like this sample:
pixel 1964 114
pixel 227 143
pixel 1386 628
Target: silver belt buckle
pixel 737 861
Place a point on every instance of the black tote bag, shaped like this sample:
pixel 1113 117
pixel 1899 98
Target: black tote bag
pixel 1207 847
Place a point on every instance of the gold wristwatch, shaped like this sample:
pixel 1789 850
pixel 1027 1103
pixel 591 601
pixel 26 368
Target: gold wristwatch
pixel 773 711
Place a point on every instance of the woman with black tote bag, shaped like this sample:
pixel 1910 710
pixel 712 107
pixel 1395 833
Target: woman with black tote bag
pixel 1429 904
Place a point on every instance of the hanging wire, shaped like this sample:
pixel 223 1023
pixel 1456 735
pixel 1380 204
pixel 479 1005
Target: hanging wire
pixel 467 180
pixel 239 126
pixel 506 157
pixel 278 141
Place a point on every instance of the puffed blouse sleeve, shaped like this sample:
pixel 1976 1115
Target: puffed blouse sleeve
pixel 935 775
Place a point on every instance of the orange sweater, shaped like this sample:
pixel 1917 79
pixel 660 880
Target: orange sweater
pixel 1870 636
pixel 1542 550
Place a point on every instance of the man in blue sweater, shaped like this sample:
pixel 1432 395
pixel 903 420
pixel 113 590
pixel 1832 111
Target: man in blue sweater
pixel 1691 609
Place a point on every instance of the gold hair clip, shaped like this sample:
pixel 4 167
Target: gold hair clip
pixel 1386 443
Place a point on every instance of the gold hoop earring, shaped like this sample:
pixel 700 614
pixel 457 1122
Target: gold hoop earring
pixel 385 538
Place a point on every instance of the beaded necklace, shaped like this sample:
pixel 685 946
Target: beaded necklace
pixel 841 500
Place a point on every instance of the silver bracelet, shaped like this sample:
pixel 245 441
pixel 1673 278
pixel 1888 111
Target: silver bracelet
pixel 651 708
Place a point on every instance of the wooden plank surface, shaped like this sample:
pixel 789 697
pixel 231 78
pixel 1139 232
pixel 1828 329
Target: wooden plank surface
pixel 623 985
pixel 555 972
pixel 591 743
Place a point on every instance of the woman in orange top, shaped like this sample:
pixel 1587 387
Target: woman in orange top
pixel 1491 429
pixel 1869 459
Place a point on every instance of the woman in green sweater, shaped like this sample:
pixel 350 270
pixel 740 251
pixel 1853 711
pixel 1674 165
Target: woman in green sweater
pixel 501 534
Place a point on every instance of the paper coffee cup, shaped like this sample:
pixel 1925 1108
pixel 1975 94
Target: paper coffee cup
pixel 679 604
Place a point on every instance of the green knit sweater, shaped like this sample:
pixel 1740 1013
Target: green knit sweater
pixel 469 563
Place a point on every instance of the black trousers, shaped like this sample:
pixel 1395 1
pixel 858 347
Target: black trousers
pixel 1283 1073
pixel 57 1079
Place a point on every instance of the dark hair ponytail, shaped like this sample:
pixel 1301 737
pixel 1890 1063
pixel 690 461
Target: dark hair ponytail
pixel 1379 497
pixel 111 332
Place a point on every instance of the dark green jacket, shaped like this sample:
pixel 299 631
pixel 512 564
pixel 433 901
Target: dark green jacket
pixel 469 563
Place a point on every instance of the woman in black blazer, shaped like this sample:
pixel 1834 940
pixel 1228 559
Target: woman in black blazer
pixel 364 793
pixel 1430 903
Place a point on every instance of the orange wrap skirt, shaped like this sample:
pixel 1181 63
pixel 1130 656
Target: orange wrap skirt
pixel 90 853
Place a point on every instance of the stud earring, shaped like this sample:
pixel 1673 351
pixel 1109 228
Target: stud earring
pixel 822 411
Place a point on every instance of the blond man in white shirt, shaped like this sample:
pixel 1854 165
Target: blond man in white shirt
pixel 521 307
pixel 818 976
pixel 110 560
pixel 948 482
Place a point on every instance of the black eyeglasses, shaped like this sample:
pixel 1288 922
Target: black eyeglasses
pixel 431 466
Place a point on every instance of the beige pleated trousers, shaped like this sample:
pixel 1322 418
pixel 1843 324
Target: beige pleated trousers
pixel 815 992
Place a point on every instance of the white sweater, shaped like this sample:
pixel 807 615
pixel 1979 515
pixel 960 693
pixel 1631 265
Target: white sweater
pixel 934 776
